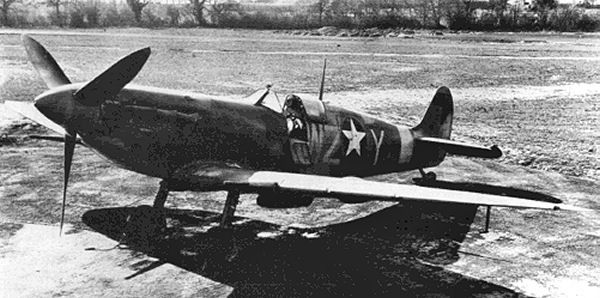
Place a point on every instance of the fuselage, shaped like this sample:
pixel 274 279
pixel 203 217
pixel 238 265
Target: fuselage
pixel 157 131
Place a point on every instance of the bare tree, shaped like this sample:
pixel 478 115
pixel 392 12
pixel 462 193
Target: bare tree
pixel 339 10
pixel 436 11
pixel 5 10
pixel 320 7
pixel 56 5
pixel 198 11
pixel 136 7
pixel 499 7
pixel 393 7
pixel 218 10
pixel 515 12
pixel 174 15
pixel 460 12
pixel 543 7
pixel 423 11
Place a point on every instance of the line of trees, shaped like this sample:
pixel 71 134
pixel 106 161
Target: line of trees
pixel 431 14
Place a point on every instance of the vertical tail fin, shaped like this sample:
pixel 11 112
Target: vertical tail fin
pixel 437 121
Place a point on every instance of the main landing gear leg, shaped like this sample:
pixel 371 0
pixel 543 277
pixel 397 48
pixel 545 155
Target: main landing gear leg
pixel 161 195
pixel 233 198
pixel 159 203
pixel 487 219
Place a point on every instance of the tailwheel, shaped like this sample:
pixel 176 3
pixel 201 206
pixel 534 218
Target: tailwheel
pixel 430 176
pixel 425 177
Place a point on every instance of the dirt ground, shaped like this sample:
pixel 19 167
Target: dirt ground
pixel 535 95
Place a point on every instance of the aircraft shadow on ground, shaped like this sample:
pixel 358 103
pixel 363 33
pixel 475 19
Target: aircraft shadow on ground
pixel 378 255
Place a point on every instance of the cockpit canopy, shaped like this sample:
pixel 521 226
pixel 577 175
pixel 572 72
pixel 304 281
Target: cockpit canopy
pixel 312 109
pixel 268 99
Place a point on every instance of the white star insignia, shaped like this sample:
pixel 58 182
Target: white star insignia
pixel 354 138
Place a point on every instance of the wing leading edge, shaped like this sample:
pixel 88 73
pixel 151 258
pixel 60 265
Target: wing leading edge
pixel 323 186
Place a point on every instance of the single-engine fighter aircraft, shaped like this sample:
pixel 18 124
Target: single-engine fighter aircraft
pixel 287 151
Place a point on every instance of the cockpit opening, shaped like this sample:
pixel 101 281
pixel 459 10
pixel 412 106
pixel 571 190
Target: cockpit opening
pixel 295 115
pixel 293 108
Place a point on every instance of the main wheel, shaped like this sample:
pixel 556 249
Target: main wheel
pixel 430 176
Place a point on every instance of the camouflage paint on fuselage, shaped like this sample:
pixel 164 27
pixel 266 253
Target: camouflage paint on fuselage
pixel 377 151
pixel 156 132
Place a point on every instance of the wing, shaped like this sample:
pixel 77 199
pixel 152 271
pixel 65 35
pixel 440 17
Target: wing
pixel 323 186
pixel 203 176
pixel 219 176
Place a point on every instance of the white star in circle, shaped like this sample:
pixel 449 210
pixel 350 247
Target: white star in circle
pixel 354 138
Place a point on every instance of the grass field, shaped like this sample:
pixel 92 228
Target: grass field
pixel 535 95
pixel 226 61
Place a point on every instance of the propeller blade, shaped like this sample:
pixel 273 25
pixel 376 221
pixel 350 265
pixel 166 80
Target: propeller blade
pixel 106 85
pixel 70 141
pixel 44 63
pixel 28 110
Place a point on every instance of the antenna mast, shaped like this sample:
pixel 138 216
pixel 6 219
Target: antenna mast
pixel 322 80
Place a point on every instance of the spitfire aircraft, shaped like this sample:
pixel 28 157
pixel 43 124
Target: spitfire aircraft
pixel 287 150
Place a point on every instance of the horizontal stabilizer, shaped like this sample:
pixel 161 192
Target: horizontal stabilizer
pixel 459 148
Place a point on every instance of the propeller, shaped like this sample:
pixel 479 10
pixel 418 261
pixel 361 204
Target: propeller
pixel 103 87
pixel 111 81
pixel 53 76
pixel 70 141
pixel 44 63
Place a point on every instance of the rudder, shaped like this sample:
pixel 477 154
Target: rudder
pixel 437 121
